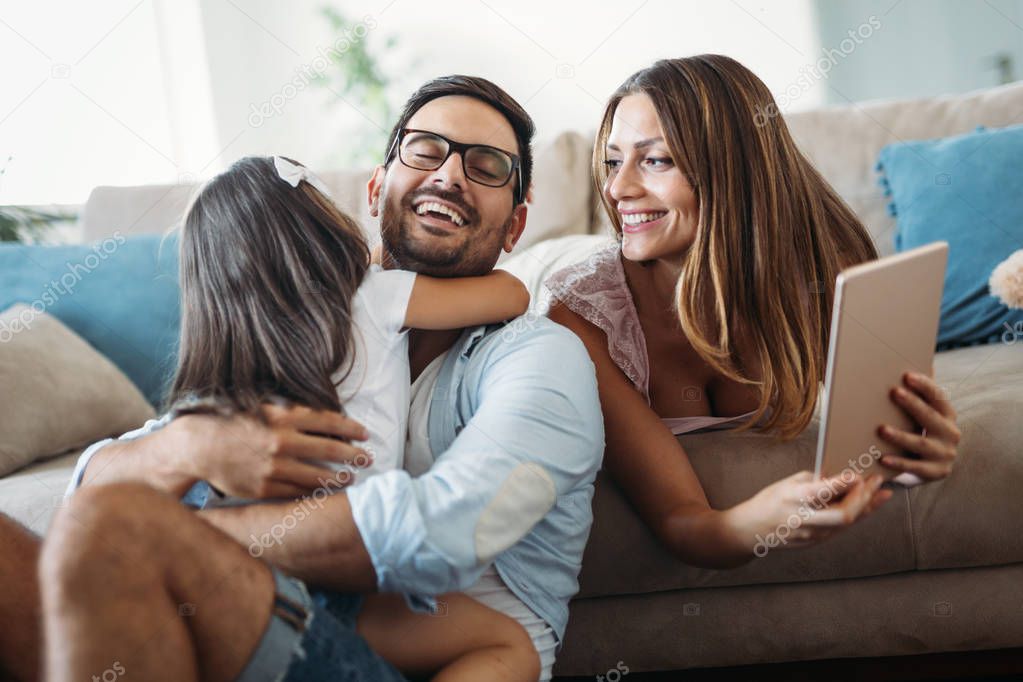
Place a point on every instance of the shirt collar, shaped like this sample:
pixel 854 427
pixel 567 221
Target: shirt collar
pixel 444 423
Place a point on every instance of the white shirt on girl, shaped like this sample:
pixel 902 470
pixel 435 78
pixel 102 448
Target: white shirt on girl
pixel 375 391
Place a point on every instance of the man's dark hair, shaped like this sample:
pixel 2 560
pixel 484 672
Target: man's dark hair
pixel 487 92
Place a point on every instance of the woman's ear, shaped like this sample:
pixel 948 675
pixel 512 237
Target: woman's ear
pixel 373 187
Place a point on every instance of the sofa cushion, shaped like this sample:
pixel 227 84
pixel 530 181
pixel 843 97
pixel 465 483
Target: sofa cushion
pixel 58 393
pixel 623 556
pixel 119 294
pixel 31 496
pixel 843 141
pixel 561 190
pixel 968 519
pixel 964 190
pixel 917 612
pixel 535 264
pixel 972 518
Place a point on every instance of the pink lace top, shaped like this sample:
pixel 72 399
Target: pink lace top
pixel 596 290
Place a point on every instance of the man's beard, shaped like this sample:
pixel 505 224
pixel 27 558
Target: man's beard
pixel 475 253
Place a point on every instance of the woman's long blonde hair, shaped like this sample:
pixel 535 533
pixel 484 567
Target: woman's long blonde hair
pixel 771 238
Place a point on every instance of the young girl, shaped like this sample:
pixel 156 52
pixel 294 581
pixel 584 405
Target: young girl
pixel 280 302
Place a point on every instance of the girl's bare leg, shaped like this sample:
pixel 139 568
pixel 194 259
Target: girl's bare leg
pixel 465 640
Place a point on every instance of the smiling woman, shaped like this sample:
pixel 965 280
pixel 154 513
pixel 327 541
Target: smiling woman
pixel 707 200
pixel 722 279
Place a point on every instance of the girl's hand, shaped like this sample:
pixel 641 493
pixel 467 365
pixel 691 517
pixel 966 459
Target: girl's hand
pixel 799 511
pixel 927 405
pixel 284 458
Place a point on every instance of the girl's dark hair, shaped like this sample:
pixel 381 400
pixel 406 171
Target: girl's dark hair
pixel 268 272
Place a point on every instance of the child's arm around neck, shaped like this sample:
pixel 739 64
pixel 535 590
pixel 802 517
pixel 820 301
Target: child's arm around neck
pixel 457 302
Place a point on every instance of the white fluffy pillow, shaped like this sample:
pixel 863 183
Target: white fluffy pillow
pixel 536 263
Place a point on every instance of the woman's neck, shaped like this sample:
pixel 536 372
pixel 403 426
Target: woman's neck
pixel 654 282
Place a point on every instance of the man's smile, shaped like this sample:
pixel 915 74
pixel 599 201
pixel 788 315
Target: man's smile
pixel 442 211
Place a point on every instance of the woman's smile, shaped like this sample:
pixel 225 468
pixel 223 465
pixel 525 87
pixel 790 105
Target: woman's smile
pixel 634 222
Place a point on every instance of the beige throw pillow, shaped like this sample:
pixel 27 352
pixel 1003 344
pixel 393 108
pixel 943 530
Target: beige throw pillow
pixel 56 391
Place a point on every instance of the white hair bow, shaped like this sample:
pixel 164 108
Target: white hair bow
pixel 293 173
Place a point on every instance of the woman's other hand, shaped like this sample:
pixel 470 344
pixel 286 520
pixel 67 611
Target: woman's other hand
pixel 937 446
pixel 800 511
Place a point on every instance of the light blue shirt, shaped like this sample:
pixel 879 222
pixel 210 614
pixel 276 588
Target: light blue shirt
pixel 516 417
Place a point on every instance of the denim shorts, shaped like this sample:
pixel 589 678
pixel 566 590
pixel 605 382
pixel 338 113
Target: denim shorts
pixel 311 638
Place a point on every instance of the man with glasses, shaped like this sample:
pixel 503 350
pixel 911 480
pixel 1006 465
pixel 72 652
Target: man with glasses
pixel 490 166
pixel 505 439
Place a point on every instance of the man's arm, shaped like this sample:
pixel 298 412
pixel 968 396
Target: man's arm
pixel 314 539
pixel 151 454
pixel 536 432
pixel 279 457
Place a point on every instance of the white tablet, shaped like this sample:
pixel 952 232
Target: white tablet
pixel 884 322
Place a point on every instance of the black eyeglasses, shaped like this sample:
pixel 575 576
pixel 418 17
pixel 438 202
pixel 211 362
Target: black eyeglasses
pixel 481 163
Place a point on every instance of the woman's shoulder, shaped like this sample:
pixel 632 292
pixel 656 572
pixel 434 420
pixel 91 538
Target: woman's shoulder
pixel 599 272
pixel 595 291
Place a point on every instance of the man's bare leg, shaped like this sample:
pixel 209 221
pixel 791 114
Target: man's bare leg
pixel 20 618
pixel 135 583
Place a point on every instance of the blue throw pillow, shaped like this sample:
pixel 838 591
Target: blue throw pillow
pixel 966 190
pixel 120 295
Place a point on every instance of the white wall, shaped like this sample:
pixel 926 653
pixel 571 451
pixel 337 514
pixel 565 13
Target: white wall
pixel 166 88
pixel 79 104
pixel 560 59
pixel 131 92
pixel 923 47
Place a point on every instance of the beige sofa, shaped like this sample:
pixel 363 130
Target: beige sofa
pixel 939 568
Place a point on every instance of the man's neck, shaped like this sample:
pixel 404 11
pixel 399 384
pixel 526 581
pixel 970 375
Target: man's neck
pixel 424 346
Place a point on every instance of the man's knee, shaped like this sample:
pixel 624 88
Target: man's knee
pixel 100 529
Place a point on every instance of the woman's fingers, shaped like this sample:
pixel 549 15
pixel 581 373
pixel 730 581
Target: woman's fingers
pixel 848 501
pixel 824 490
pixel 843 511
pixel 925 469
pixel 928 409
pixel 324 422
pixel 928 447
pixel 931 393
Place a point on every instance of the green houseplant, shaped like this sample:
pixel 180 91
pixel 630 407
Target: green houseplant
pixel 359 81
pixel 28 224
